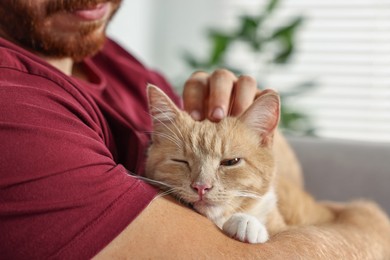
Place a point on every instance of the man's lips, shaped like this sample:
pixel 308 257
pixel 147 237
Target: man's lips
pixel 95 13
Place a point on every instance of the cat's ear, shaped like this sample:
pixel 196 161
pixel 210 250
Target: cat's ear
pixel 161 107
pixel 263 115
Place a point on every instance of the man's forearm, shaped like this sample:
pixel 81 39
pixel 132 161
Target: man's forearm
pixel 168 230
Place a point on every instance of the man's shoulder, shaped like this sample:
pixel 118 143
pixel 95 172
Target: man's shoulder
pixel 22 70
pixel 16 58
pixel 26 82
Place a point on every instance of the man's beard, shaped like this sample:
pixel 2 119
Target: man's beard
pixel 27 27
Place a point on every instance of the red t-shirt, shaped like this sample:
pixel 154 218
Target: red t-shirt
pixel 65 149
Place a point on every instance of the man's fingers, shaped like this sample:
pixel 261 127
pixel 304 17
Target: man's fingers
pixel 221 85
pixel 244 93
pixel 217 95
pixel 195 93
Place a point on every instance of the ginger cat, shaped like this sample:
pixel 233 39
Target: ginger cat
pixel 227 171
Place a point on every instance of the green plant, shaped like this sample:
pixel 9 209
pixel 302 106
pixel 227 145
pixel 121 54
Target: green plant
pixel 254 34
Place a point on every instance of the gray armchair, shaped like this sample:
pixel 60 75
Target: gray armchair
pixel 342 170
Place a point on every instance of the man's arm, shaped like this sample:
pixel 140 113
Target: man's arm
pixel 166 229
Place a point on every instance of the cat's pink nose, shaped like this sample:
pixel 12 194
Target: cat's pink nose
pixel 201 188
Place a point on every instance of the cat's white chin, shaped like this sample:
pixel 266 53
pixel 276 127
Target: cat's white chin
pixel 202 206
pixel 210 210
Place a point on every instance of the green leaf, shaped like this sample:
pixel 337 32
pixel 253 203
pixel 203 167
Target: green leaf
pixel 287 29
pixel 248 28
pixel 284 55
pixel 220 43
pixel 256 45
pixel 248 32
pixel 295 121
pixel 284 35
pixel 272 4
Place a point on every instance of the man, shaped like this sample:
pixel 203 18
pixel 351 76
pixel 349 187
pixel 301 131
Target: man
pixel 73 122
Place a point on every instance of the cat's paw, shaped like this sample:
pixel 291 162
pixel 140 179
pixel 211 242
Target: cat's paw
pixel 245 228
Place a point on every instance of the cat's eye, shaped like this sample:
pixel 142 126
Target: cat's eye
pixel 230 162
pixel 180 161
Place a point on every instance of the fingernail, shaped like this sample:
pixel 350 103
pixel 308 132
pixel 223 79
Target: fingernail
pixel 195 115
pixel 218 113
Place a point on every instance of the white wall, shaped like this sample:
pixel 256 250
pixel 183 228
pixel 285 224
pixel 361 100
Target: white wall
pixel 132 27
pixel 158 31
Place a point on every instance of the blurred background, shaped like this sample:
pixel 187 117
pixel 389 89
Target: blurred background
pixel 329 59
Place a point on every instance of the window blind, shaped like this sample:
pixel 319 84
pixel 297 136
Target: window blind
pixel 344 46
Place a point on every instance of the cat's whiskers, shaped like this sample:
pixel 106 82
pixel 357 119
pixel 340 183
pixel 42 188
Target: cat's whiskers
pixel 180 193
pixel 155 182
pixel 182 200
pixel 173 189
pixel 248 194
pixel 167 192
pixel 221 196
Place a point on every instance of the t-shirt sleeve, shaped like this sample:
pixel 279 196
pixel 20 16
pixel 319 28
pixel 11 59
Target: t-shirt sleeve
pixel 61 193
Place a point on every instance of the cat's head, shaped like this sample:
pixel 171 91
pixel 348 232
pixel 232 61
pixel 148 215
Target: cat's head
pixel 218 168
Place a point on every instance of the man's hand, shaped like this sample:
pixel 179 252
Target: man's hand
pixel 217 95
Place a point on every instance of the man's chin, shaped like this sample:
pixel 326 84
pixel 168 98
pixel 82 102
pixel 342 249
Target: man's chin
pixel 76 49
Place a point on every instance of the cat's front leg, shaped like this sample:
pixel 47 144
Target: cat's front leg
pixel 245 228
